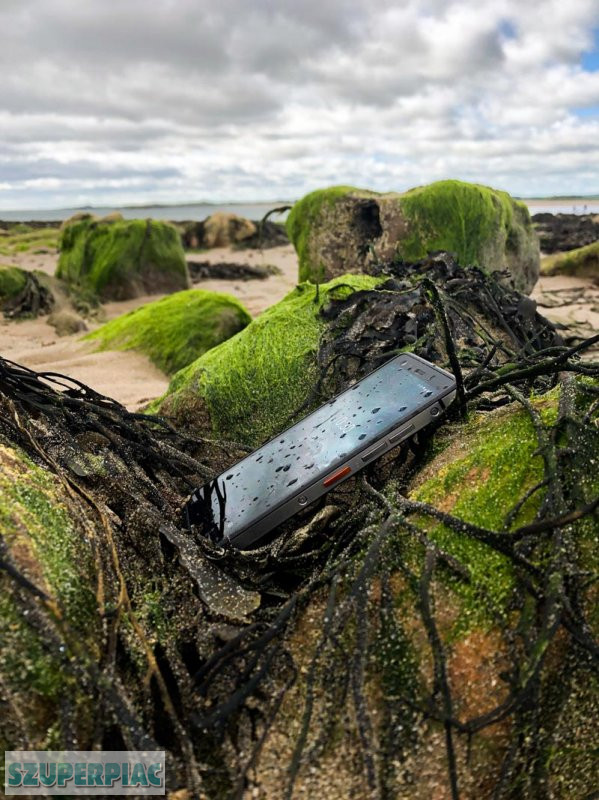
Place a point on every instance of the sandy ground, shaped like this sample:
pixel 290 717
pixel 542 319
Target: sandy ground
pixel 130 377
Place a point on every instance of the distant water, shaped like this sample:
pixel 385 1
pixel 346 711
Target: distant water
pixel 175 213
pixel 253 211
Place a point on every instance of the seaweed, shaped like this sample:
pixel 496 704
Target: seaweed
pixel 351 618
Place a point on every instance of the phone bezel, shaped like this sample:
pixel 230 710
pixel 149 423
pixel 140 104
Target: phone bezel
pixel 415 420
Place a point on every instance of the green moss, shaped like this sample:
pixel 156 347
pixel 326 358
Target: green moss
pixel 302 217
pixel 583 262
pixel 462 218
pixel 118 259
pixel 254 382
pixel 176 330
pixel 494 463
pixel 46 546
pixel 12 281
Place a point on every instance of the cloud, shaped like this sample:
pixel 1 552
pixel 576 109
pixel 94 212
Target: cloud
pixel 183 99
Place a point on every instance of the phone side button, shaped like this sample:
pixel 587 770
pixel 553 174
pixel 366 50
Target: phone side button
pixel 336 476
pixel 370 454
pixel 401 434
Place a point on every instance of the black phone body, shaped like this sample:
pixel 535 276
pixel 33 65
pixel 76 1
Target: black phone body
pixel 327 446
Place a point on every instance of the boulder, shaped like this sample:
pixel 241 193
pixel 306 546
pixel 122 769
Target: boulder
pixel 249 386
pixel 66 323
pixel 12 282
pixel 121 259
pixel 25 293
pixel 252 385
pixel 559 232
pixel 345 229
pixel 582 262
pixel 218 230
pixel 176 330
pixel 427 629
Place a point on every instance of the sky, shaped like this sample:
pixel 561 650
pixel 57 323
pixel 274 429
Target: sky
pixel 106 102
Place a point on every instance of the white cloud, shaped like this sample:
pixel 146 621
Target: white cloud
pixel 180 99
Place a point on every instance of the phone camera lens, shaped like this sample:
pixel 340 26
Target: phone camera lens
pixel 435 411
pixel 302 500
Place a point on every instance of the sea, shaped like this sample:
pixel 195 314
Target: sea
pixel 254 211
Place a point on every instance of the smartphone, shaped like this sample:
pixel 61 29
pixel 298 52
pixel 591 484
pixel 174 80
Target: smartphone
pixel 316 454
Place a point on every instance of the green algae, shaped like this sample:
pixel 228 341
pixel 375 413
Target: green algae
pixel 254 382
pixel 118 259
pixel 481 226
pixel 469 220
pixel 46 546
pixel 12 281
pixel 302 217
pixel 175 330
pixel 582 262
pixel 495 462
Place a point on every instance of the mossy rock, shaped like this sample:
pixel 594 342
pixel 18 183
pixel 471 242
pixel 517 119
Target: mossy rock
pixel 582 263
pixel 343 229
pixel 175 330
pixel 481 470
pixel 44 541
pixel 12 282
pixel 119 259
pixel 247 387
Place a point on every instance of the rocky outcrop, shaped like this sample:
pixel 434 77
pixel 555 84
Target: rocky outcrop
pixel 559 232
pixel 345 229
pixel 116 259
pixel 176 330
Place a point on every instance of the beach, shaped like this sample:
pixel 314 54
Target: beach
pixel 132 379
pixel 128 376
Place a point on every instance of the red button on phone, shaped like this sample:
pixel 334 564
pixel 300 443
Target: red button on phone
pixel 336 476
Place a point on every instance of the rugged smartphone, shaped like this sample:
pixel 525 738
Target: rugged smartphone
pixel 324 448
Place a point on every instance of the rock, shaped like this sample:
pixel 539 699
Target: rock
pixel 249 386
pixel 407 623
pixel 121 259
pixel 24 293
pixel 559 232
pixel 252 385
pixel 66 323
pixel 218 230
pixel 268 234
pixel 345 229
pixel 223 230
pixel 176 330
pixel 582 262
pixel 79 216
pixel 12 282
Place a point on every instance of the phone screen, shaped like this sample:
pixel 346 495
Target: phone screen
pixel 312 447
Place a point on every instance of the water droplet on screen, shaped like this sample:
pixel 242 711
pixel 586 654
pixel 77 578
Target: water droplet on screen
pixel 362 436
pixel 292 482
pixel 229 476
pixel 375 410
pixel 286 468
pixel 342 435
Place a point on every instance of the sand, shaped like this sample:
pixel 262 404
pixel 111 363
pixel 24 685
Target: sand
pixel 132 379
